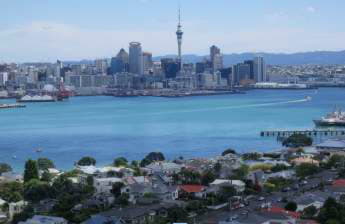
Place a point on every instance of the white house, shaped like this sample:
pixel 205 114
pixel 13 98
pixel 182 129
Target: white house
pixel 237 184
pixel 15 208
pixel 105 185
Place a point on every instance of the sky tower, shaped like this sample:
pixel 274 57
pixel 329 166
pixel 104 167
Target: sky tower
pixel 179 35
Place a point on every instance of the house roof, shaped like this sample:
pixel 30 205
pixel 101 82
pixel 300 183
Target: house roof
pixel 332 143
pixel 339 183
pixel 232 182
pixel 192 188
pixel 279 210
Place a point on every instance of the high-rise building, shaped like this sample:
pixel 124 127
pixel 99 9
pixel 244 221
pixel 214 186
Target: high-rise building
pixel 147 62
pixel 216 58
pixel 101 66
pixel 240 71
pixel 251 65
pixel 135 58
pixel 179 35
pixel 260 69
pixel 120 63
pixel 170 67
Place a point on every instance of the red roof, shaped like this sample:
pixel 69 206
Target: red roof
pixel 192 188
pixel 295 215
pixel 339 183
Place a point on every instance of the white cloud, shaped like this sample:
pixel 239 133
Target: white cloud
pixel 311 9
pixel 48 41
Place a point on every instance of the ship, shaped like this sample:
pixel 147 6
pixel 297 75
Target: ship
pixel 36 98
pixel 336 119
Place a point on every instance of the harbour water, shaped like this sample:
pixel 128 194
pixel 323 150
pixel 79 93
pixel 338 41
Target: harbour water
pixel 107 127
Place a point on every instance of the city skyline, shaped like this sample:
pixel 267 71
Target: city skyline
pixel 86 30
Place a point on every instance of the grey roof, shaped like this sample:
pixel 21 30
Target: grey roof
pixel 134 212
pixel 332 143
pixel 100 219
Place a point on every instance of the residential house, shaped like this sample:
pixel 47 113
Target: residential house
pixel 105 185
pixel 167 168
pixel 11 176
pixel 140 214
pixel 309 199
pixel 101 219
pixel 237 184
pixel 192 191
pixel 304 159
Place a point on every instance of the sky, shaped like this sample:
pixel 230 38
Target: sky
pixel 47 30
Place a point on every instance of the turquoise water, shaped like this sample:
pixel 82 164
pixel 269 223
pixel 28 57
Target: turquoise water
pixel 107 127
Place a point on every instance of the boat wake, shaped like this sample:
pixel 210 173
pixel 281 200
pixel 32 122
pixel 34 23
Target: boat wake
pixel 221 108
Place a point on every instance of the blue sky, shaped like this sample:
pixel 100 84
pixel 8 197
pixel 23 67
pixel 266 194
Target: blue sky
pixel 46 30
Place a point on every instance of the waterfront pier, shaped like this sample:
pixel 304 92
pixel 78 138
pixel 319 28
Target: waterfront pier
pixel 311 133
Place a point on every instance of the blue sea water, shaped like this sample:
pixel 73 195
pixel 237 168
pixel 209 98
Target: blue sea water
pixel 107 127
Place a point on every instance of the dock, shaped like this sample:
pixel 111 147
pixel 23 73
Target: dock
pixel 9 106
pixel 310 133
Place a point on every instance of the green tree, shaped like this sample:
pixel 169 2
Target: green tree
pixel 298 140
pixel 4 167
pixel 306 169
pixel 152 157
pixel 123 199
pixel 11 191
pixel 279 167
pixel 335 161
pixel 116 189
pixel 35 190
pixel 229 151
pixel 207 178
pixel 46 177
pixel 31 170
pixel 291 206
pixel 251 156
pixel 89 180
pixel 45 163
pixel 241 173
pixel 87 161
pixel 120 161
pixel 177 214
pixel 309 212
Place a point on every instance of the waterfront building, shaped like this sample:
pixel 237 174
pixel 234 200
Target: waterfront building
pixel 3 78
pixel 170 67
pixel 216 58
pixel 260 69
pixel 120 63
pixel 101 66
pixel 135 58
pixel 147 62
pixel 241 72
pixel 251 66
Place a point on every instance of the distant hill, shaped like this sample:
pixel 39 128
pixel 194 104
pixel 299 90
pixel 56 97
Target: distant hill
pixel 316 57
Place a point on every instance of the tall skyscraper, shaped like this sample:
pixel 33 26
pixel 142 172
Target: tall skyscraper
pixel 120 62
pixel 179 35
pixel 216 58
pixel 135 58
pixel 260 69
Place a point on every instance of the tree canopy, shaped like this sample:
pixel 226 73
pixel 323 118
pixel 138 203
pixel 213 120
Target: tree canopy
pixel 306 169
pixel 120 161
pixel 228 151
pixel 298 140
pixel 31 170
pixel 152 157
pixel 87 161
pixel 291 206
pixel 45 163
pixel 4 167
